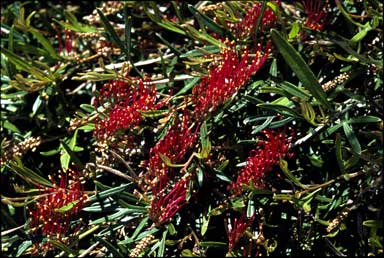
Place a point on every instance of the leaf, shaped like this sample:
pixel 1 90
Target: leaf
pixel 352 139
pixel 212 244
pixel 62 247
pixel 208 21
pixel 22 247
pixel 294 90
pixel 284 167
pixel 11 127
pixel 27 174
pixel 205 143
pixel 201 51
pixel 294 31
pixel 115 216
pixel 280 109
pixel 153 113
pixel 111 31
pixel 263 125
pixel 201 36
pixel 160 253
pixel 365 119
pixel 373 223
pixel 300 68
pixel 45 43
pixel 67 207
pixel 161 22
pixel 204 225
pixel 107 193
pixel 188 85
pixel 338 152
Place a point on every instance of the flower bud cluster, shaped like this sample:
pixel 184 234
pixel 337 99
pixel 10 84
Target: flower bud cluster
pixel 19 149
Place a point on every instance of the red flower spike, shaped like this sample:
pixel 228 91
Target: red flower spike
pixel 247 24
pixel 127 100
pixel 237 230
pixel 267 154
pixel 175 144
pixel 163 208
pixel 225 80
pixel 316 14
pixel 48 218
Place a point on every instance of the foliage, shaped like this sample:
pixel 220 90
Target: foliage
pixel 192 129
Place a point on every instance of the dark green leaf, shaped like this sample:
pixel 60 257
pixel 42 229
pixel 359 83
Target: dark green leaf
pixel 352 139
pixel 300 67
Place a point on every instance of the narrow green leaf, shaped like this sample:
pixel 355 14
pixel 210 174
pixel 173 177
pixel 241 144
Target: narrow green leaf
pixel 205 143
pixel 263 125
pixel 294 30
pixel 212 244
pixel 153 113
pixel 300 68
pixel 338 151
pixel 373 223
pixel 352 139
pixel 46 44
pixel 280 109
pixel 284 167
pixel 160 253
pixel 107 193
pixel 111 31
pixel 201 51
pixel 69 154
pixel 365 119
pixel 62 247
pixel 203 36
pixel 188 85
pixel 114 217
pixel 27 174
pixel 127 31
pixel 23 246
pixel 208 21
pixel 11 127
pixel 67 207
pixel 294 90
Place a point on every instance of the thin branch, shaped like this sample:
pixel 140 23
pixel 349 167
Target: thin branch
pixel 130 170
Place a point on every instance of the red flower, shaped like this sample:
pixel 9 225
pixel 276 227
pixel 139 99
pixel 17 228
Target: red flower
pixel 247 24
pixel 261 160
pixel 68 43
pixel 316 14
pixel 126 101
pixel 225 80
pixel 236 231
pixel 57 206
pixel 164 206
pixel 176 143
